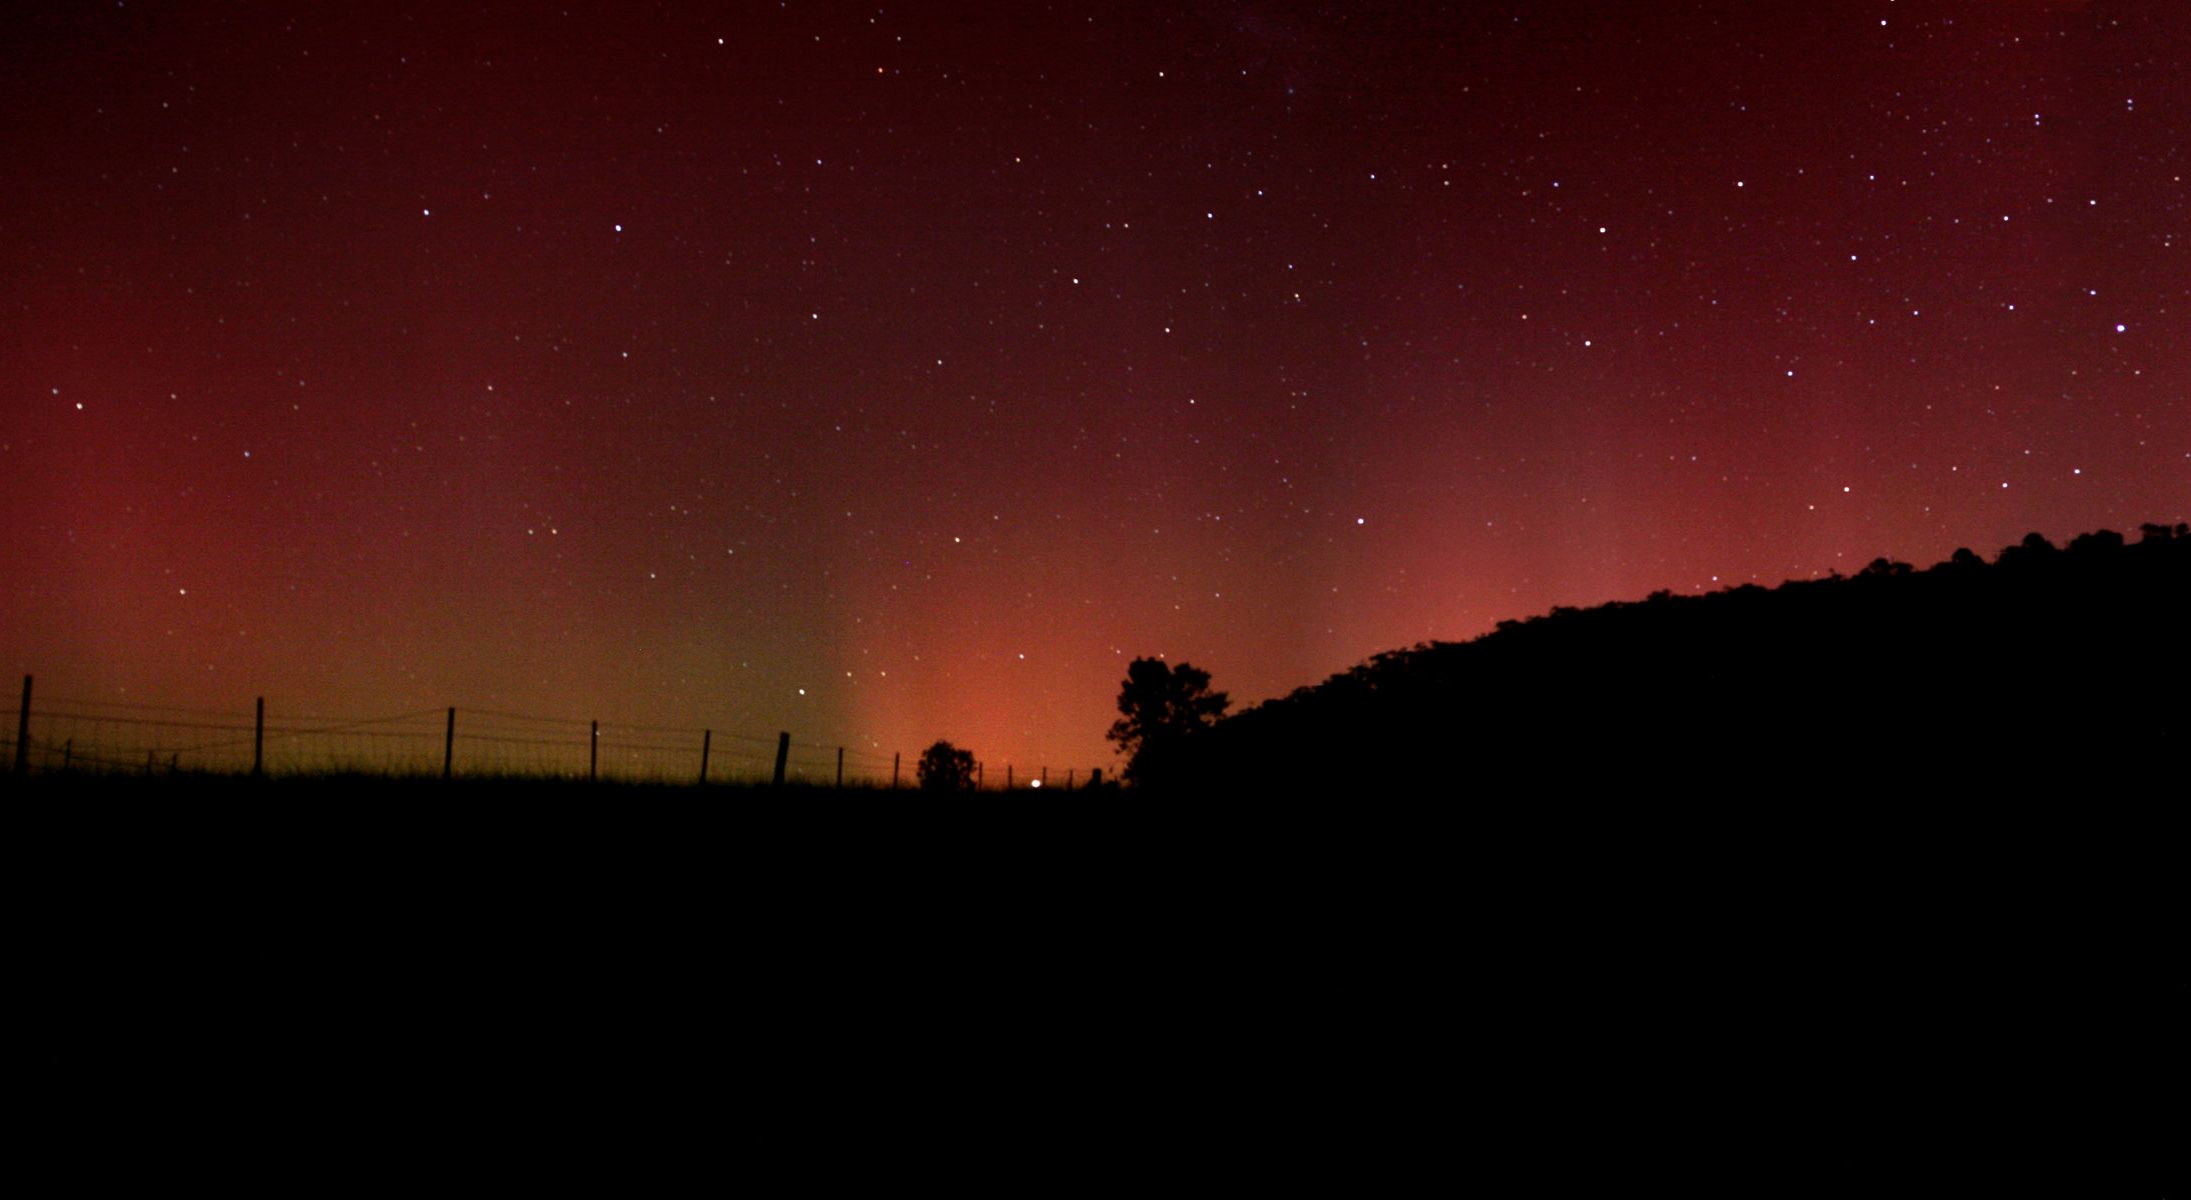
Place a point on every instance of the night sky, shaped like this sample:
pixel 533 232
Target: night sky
pixel 886 376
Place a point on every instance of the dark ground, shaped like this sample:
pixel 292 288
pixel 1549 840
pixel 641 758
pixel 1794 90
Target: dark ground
pixel 1533 997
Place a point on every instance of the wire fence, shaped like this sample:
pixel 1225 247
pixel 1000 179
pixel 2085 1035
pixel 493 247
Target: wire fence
pixel 74 735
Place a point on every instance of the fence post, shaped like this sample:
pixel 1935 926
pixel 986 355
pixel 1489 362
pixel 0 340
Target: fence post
pixel 977 776
pixel 593 753
pixel 22 732
pixel 1007 777
pixel 258 741
pixel 706 736
pixel 1069 778
pixel 894 754
pixel 840 766
pixel 448 746
pixel 783 751
pixel 1045 777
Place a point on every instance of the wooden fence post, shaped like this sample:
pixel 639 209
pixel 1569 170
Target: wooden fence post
pixel 840 766
pixel 783 751
pixel 593 753
pixel 894 755
pixel 706 736
pixel 1007 777
pixel 448 746
pixel 1069 778
pixel 22 732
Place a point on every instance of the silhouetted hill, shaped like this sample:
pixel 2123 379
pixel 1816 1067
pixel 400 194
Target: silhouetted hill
pixel 2046 669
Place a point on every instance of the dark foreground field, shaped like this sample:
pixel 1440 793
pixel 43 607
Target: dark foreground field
pixel 1529 996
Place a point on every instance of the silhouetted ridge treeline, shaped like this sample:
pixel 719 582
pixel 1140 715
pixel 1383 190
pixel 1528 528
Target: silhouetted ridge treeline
pixel 2049 667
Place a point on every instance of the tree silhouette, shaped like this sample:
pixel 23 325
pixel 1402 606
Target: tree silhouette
pixel 945 768
pixel 2098 543
pixel 1160 708
pixel 2034 551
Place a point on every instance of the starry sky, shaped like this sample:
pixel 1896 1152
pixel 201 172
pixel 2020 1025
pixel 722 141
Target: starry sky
pixel 890 375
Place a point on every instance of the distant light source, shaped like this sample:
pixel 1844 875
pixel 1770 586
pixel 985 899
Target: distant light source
pixel 1034 783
